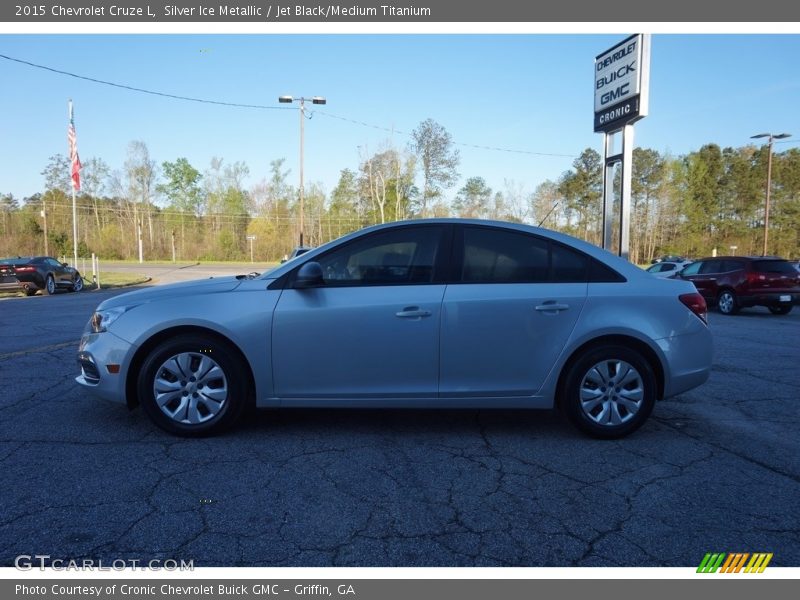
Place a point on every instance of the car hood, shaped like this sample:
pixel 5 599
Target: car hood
pixel 212 285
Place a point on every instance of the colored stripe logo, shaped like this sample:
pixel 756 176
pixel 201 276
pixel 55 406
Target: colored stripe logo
pixel 734 562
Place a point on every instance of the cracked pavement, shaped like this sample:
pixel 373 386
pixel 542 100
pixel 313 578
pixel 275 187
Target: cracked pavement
pixel 716 469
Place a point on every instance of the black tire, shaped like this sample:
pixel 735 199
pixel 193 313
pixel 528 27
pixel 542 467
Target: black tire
pixel 780 310
pixel 579 378
pixel 30 291
pixel 727 303
pixel 197 346
pixel 49 286
pixel 77 283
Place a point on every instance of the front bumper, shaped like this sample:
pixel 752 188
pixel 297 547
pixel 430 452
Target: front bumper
pixel 104 360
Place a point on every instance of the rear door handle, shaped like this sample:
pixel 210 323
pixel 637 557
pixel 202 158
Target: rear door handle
pixel 413 312
pixel 552 307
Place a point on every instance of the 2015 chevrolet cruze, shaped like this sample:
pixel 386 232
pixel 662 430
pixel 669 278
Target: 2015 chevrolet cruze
pixel 432 313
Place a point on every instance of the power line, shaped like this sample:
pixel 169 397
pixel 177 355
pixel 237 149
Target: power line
pixel 264 107
pixel 142 90
pixel 392 130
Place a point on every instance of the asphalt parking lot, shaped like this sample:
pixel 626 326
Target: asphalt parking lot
pixel 715 470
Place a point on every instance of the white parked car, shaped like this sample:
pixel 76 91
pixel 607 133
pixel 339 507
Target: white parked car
pixel 667 269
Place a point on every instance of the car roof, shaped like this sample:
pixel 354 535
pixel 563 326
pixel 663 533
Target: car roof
pixel 743 258
pixel 619 264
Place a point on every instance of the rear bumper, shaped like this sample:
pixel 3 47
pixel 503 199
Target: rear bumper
pixel 688 360
pixel 17 285
pixel 770 299
pixel 10 286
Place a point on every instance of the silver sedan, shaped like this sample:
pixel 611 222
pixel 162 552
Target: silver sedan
pixel 438 313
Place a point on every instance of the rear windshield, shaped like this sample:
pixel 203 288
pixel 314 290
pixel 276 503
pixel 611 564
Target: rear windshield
pixel 774 266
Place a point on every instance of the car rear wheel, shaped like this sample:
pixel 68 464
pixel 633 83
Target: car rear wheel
pixel 49 286
pixel 609 391
pixel 77 285
pixel 193 385
pixel 780 310
pixel 727 303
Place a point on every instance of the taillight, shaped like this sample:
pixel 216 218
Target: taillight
pixel 695 303
pixel 24 269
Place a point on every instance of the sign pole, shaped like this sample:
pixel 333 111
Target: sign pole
pixel 621 97
pixel 608 189
pixel 625 195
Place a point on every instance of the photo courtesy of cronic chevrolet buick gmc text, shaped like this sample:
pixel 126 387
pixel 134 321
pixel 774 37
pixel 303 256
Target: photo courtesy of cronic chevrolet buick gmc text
pixel 440 313
pixel 735 282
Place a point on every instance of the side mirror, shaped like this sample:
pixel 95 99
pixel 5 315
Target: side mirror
pixel 309 275
pixel 64 264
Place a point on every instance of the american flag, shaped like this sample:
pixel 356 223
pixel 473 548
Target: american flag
pixel 74 159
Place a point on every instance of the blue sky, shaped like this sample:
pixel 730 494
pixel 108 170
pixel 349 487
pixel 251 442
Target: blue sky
pixel 528 92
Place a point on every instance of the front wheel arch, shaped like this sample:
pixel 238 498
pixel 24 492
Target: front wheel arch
pixel 131 397
pixel 622 340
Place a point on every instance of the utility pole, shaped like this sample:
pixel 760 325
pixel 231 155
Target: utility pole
pixel 771 137
pixel 302 101
pixel 44 216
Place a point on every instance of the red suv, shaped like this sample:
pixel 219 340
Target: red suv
pixel 735 282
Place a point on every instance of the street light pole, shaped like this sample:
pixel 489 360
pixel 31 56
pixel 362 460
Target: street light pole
pixel 771 137
pixel 302 101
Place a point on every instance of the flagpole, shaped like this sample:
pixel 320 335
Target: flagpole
pixel 74 209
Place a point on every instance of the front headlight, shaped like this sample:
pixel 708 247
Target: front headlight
pixel 102 319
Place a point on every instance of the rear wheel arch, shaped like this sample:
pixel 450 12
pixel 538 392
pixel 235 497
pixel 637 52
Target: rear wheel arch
pixel 131 396
pixel 619 340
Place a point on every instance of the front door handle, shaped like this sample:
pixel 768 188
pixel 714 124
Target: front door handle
pixel 552 307
pixel 413 312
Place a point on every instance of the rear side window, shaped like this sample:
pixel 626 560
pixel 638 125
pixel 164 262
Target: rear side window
pixel 710 266
pixel 492 256
pixel 600 273
pixel 568 266
pixel 497 256
pixel 732 265
pixel 782 267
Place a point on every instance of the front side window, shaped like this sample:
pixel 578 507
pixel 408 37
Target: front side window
pixel 401 256
pixel 692 269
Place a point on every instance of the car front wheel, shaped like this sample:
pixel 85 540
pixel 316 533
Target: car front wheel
pixel 77 285
pixel 609 391
pixel 193 385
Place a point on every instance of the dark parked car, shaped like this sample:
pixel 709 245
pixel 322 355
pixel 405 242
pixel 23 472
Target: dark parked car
pixel 295 253
pixel 735 282
pixel 33 273
pixel 670 258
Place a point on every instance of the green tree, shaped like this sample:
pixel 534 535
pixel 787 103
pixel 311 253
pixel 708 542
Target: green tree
pixel 473 200
pixel 433 146
pixel 583 192
pixel 181 187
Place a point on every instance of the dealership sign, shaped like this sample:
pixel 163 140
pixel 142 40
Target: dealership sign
pixel 621 82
